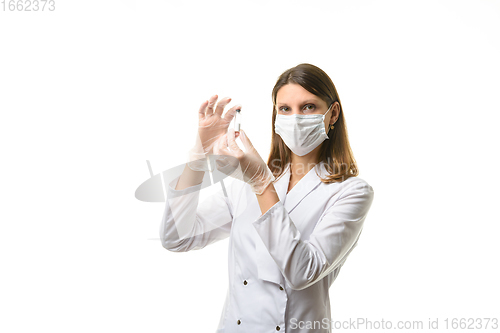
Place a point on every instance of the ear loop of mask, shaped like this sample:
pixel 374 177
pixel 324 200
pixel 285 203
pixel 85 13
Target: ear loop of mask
pixel 324 115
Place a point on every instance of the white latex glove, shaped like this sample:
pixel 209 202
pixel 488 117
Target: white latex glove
pixel 251 169
pixel 211 126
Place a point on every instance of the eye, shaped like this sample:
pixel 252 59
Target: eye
pixel 310 107
pixel 282 109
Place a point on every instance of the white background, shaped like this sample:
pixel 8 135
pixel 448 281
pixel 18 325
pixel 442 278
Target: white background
pixel 92 90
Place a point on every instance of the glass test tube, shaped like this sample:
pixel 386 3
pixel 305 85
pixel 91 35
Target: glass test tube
pixel 237 120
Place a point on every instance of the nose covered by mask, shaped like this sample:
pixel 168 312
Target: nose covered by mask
pixel 301 132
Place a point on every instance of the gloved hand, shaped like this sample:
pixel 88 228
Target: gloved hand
pixel 251 169
pixel 211 126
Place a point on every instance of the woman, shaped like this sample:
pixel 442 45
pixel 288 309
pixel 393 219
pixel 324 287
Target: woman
pixel 291 222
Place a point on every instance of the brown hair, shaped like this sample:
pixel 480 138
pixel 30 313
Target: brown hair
pixel 336 151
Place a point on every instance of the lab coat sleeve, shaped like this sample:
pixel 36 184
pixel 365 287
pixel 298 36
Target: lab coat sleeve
pixel 304 262
pixel 187 225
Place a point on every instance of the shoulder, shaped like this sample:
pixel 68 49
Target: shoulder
pixel 351 199
pixel 356 184
pixel 358 194
pixel 351 184
pixel 354 193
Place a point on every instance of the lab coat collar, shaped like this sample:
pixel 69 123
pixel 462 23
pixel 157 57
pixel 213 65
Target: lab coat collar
pixel 268 270
pixel 300 190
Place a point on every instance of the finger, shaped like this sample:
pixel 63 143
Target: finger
pixel 211 103
pixel 231 141
pixel 220 158
pixel 221 105
pixel 225 161
pixel 217 146
pixel 220 146
pixel 246 141
pixel 222 150
pixel 231 113
pixel 201 112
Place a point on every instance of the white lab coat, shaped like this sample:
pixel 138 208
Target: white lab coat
pixel 281 263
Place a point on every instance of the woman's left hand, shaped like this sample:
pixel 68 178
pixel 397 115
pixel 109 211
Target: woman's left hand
pixel 253 170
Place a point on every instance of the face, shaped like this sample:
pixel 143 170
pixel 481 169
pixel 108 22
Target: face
pixel 294 99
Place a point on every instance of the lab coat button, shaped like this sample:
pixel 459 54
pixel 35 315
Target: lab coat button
pixel 245 282
pixel 277 328
pixel 281 288
pixel 239 322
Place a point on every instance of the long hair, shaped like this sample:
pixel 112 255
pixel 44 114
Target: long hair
pixel 335 151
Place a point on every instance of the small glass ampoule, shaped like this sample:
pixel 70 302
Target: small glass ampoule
pixel 237 120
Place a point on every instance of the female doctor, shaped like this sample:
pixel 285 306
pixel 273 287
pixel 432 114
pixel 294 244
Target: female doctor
pixel 291 222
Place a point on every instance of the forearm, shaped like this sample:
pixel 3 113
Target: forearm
pixel 187 225
pixel 268 198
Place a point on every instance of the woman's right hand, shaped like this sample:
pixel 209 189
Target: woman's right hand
pixel 211 124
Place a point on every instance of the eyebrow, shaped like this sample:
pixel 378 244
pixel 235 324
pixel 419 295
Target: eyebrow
pixel 305 102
